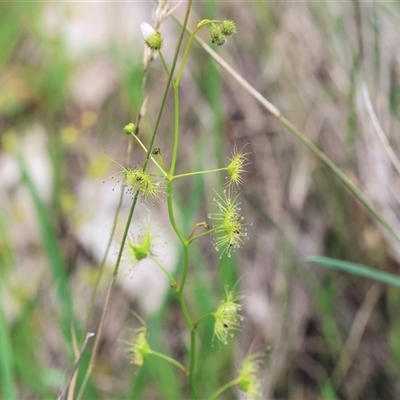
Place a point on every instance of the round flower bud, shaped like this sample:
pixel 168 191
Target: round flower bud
pixel 138 348
pixel 248 380
pixel 228 28
pixel 130 128
pixel 152 38
pixel 216 36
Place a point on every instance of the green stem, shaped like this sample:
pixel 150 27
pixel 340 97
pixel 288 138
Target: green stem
pixel 151 156
pixel 192 362
pixel 171 214
pixel 169 359
pixel 185 267
pixel 202 318
pixel 170 277
pixel 202 234
pixel 176 130
pixel 184 310
pixel 169 82
pixel 198 173
pixel 189 44
pixel 223 388
pixel 164 63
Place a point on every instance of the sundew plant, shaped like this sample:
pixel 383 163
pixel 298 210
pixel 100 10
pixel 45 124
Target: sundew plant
pixel 250 142
pixel 225 226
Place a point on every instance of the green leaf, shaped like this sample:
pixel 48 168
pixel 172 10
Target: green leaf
pixel 6 359
pixel 356 269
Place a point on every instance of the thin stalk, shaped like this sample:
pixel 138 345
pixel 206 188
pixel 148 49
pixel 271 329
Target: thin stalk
pixel 169 82
pixel 196 226
pixel 164 63
pixel 169 359
pixel 171 214
pixel 176 130
pixel 151 156
pixel 202 234
pixel 223 388
pixel 189 44
pixel 166 272
pixel 185 267
pixel 201 319
pixel 192 362
pixel 185 311
pixel 198 173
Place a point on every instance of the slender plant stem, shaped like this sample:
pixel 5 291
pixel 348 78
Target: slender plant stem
pixel 169 82
pixel 185 54
pixel 192 362
pixel 152 158
pixel 176 130
pixel 185 311
pixel 164 63
pixel 169 359
pixel 172 216
pixel 198 173
pixel 170 277
pixel 202 318
pixel 202 234
pixel 223 388
pixel 189 44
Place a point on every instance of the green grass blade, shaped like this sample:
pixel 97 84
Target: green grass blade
pixel 356 269
pixel 6 359
pixel 53 252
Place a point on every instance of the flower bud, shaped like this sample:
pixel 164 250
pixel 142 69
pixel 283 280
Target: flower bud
pixel 236 166
pixel 130 128
pixel 248 380
pixel 137 180
pixel 152 38
pixel 228 27
pixel 227 317
pixel 229 229
pixel 140 248
pixel 216 36
pixel 138 348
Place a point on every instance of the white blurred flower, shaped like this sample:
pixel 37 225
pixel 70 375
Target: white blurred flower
pixel 152 38
pixel 147 30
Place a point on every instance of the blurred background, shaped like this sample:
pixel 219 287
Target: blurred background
pixel 70 79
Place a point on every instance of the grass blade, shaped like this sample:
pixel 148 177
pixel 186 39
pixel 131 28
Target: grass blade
pixel 357 269
pixel 6 359
pixel 53 252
